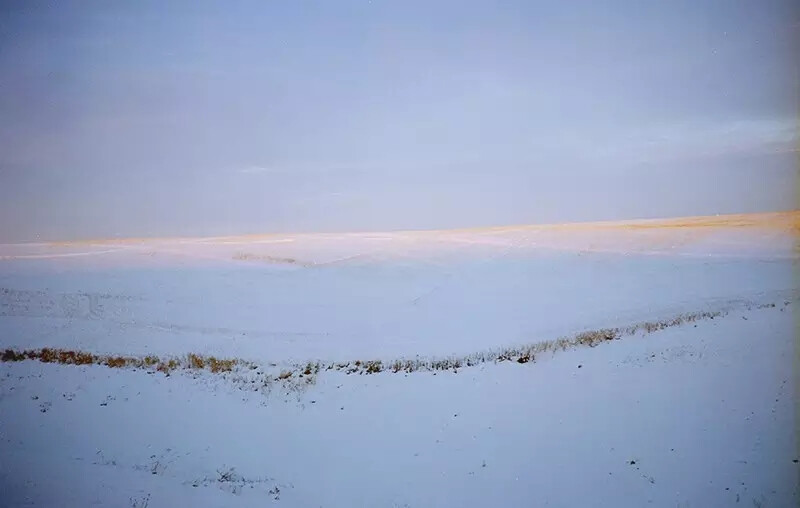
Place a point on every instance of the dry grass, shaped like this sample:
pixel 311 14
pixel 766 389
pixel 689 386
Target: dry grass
pixel 69 357
pixel 215 365
pixel 196 361
pixel 313 368
pixel 167 366
pixel 73 358
pixel 528 353
pixel 117 362
pixel 373 366
pixel 296 377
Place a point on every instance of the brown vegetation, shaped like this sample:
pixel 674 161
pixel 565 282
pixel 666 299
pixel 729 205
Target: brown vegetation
pixel 305 374
pixel 215 365
pixel 69 357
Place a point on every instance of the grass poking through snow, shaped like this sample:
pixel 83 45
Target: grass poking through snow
pixel 69 357
pixel 301 375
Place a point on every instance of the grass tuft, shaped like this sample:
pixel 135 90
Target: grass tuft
pixel 48 355
pixel 9 355
pixel 216 365
pixel 116 361
pixel 373 366
pixel 196 361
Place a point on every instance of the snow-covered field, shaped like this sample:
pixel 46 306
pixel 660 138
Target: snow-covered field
pixel 694 413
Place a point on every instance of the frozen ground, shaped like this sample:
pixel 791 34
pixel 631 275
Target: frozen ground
pixel 701 414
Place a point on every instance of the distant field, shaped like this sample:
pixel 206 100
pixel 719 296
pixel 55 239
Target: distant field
pixel 789 220
pixel 741 234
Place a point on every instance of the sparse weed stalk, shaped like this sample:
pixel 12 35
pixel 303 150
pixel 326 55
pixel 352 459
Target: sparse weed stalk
pixel 143 502
pixel 167 366
pixel 373 366
pixel 312 368
pixel 226 475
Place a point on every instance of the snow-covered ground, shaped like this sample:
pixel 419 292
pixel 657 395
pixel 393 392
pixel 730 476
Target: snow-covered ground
pixel 700 414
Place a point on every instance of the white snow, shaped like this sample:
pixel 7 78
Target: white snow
pixel 700 414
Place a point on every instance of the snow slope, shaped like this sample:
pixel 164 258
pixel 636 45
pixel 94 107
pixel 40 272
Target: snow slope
pixel 700 414
pixel 706 414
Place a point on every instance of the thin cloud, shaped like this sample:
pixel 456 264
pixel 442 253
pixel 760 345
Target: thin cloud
pixel 306 168
pixel 686 142
pixel 255 170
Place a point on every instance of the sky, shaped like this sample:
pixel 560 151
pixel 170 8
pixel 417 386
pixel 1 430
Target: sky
pixel 167 118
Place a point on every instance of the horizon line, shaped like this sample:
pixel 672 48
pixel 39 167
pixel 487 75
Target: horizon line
pixel 791 220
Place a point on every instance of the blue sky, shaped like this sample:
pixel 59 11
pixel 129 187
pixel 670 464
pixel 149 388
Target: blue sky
pixel 193 118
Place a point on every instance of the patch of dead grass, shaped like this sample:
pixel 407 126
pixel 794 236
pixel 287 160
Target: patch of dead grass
pixel 216 365
pixel 70 357
pixel 196 361
pixel 116 362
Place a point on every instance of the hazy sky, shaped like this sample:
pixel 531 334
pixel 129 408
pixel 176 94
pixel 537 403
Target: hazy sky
pixel 185 118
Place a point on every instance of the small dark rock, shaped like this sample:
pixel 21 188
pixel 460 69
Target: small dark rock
pixel 632 462
pixel 795 461
pixel 580 365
